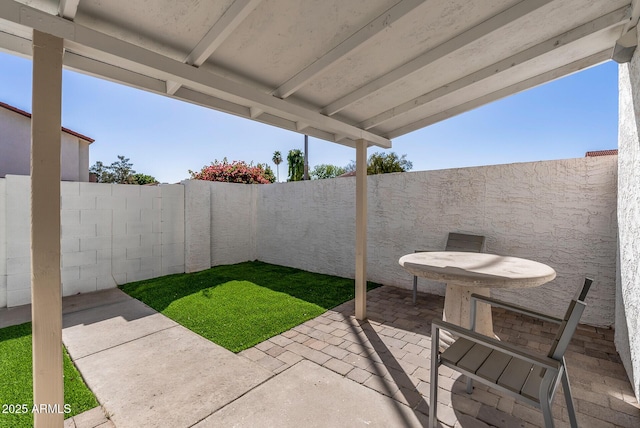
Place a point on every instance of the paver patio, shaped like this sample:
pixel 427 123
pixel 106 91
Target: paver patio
pixel 390 353
pixel 379 365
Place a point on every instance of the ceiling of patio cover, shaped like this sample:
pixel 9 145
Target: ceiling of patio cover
pixel 339 70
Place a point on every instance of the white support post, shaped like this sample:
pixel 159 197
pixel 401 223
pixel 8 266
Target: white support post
pixel 46 293
pixel 361 229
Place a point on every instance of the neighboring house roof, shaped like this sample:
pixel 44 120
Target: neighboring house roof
pixel 27 114
pixel 348 174
pixel 602 153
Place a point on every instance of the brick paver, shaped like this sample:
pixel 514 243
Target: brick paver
pixel 390 353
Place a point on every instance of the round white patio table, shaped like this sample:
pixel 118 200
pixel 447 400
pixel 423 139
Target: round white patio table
pixel 469 273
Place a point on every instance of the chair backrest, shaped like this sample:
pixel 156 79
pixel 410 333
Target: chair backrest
pixel 463 242
pixel 570 322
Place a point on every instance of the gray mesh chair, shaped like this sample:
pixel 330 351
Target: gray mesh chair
pixel 521 373
pixel 455 242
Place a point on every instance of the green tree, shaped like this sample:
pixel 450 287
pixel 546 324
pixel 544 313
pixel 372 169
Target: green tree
pixel 295 159
pixel 102 172
pixel 143 179
pixel 268 172
pixel 326 171
pixel 277 159
pixel 120 171
pixel 382 163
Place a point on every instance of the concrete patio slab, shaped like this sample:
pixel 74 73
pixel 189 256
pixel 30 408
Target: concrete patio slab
pixel 92 330
pixel 172 378
pixel 21 314
pixel 308 395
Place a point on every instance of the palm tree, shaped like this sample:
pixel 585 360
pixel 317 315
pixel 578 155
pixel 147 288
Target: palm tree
pixel 277 159
pixel 295 159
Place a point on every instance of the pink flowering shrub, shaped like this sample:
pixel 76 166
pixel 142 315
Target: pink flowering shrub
pixel 235 172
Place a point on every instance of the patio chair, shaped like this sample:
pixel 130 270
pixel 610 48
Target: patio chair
pixel 455 242
pixel 521 373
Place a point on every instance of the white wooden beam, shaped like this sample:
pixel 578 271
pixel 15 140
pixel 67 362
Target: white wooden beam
pixel 633 20
pixel 255 112
pixel 458 42
pixel 86 41
pixel 228 22
pixel 217 34
pixel 602 23
pixel 357 40
pixel 68 9
pixel 361 231
pixel 504 92
pixel 46 285
pixel 100 69
pixel 172 87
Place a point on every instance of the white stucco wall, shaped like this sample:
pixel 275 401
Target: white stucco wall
pixel 111 234
pixel 220 223
pixel 233 218
pixel 197 224
pixel 3 244
pixel 15 149
pixel 560 212
pixel 628 287
pixel 308 225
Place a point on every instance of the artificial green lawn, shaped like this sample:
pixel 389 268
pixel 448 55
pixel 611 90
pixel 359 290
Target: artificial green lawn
pixel 238 306
pixel 16 386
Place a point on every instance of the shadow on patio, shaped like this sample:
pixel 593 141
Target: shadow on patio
pixel 390 353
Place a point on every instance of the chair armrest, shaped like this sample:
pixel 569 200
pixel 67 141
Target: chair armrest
pixel 489 342
pixel 513 308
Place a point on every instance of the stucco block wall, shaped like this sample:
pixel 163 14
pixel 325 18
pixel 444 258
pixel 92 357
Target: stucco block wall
pixel 628 286
pixel 308 225
pixel 562 213
pixel 233 218
pixel 3 244
pixel 197 225
pixel 111 234
pixel 172 229
pixel 220 223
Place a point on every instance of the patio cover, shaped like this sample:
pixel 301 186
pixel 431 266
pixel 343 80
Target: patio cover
pixel 339 70
pixel 354 72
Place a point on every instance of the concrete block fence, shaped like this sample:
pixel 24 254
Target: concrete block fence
pixel 562 213
pixel 111 234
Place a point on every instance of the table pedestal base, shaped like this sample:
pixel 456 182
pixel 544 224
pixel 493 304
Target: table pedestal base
pixel 457 310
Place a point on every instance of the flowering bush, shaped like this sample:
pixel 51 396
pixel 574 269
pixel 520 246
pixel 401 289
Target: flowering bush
pixel 235 172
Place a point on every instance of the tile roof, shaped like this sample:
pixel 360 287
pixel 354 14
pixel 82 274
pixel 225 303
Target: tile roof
pixel 602 153
pixel 27 114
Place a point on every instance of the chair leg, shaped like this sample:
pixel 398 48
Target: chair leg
pixel 415 288
pixel 545 405
pixel 433 398
pixel 568 398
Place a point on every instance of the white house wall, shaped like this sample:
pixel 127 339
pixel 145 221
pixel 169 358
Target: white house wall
pixel 628 286
pixel 15 148
pixel 15 143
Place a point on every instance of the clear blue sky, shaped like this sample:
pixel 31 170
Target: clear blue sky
pixel 166 138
